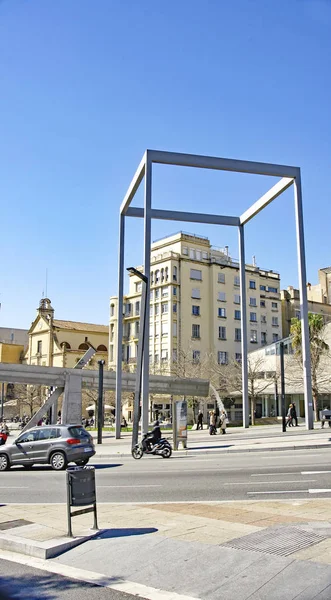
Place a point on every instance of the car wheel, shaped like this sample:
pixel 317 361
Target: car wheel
pixel 4 462
pixel 166 452
pixel 58 461
pixel 82 463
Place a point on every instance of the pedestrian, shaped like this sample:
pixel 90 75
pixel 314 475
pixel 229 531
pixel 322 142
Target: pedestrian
pixel 200 420
pixel 222 423
pixel 294 416
pixel 289 416
pixel 212 423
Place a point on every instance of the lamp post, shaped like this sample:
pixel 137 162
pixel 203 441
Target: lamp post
pixel 141 340
pixel 100 401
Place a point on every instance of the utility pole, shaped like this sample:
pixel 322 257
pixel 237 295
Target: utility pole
pixel 282 384
pixel 2 400
pixel 100 401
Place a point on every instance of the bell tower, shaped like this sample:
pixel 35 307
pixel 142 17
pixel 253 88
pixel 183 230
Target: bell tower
pixel 45 309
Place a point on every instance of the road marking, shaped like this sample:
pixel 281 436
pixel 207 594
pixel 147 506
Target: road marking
pixel 14 487
pixel 269 474
pixel 105 581
pixel 280 492
pixel 266 482
pixel 314 472
pixel 136 486
pixel 316 491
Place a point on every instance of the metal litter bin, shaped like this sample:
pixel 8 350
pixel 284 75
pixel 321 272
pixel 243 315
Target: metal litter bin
pixel 325 415
pixel 81 492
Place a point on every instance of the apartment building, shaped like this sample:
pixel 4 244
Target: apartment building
pixel 195 305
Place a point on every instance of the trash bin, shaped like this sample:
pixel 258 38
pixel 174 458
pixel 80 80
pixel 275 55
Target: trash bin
pixel 325 415
pixel 81 492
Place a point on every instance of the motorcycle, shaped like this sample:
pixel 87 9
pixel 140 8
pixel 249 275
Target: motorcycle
pixel 161 448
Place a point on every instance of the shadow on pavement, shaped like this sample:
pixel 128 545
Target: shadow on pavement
pixel 116 533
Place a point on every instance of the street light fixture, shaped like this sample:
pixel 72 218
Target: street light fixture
pixel 140 352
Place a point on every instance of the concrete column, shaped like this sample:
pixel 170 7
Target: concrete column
pixel 243 327
pixel 303 304
pixel 72 401
pixel 119 339
pixel 147 269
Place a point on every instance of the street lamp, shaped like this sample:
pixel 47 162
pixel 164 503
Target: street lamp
pixel 140 352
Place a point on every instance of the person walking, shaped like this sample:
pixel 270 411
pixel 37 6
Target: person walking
pixel 212 423
pixel 222 423
pixel 294 416
pixel 289 416
pixel 200 419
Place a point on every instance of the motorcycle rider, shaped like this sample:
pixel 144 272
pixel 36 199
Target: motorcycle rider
pixel 152 438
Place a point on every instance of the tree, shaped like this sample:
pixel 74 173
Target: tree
pixel 186 366
pixel 318 349
pixel 29 398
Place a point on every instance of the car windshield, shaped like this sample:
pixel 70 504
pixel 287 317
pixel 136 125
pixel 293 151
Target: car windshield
pixel 78 432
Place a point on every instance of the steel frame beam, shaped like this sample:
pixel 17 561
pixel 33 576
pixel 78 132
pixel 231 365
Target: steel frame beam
pixel 289 175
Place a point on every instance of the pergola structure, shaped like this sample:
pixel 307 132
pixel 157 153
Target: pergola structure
pixel 287 176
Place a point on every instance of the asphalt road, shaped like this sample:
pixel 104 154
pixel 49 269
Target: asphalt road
pixel 255 475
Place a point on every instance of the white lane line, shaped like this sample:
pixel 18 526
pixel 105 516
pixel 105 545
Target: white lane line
pixel 280 492
pixel 314 472
pixel 317 491
pixel 137 486
pixel 105 581
pixel 266 482
pixel 14 487
pixel 269 474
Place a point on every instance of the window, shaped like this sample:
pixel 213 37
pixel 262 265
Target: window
pixel 151 295
pixel 151 329
pixel 237 315
pixel 196 274
pixel 252 302
pixel 174 273
pixel 157 329
pixel 192 253
pixel 222 358
pixel 205 255
pixel 164 307
pixel 162 275
pixel 137 308
pixel 198 254
pixel 272 289
pixel 221 296
pixel 157 294
pixel 263 338
pixel 263 288
pixel 236 280
pixel 253 337
pixel 156 358
pixel 29 436
pixel 83 347
pixel 252 284
pixel 275 337
pixel 165 291
pixel 137 287
pixel 174 328
pixel 237 335
pixel 166 272
pixel 195 331
pixel 222 313
pixel 262 303
pixel 174 357
pixel 128 308
pixel 39 347
pixel 252 317
pixel 49 434
pixel 111 333
pixel 136 328
pixel 174 291
pixel 164 355
pixel 185 250
pixel 152 277
pixel 174 307
pixel 101 348
pixel 221 278
pixel 196 310
pixel 274 321
pixel 236 299
pixel 157 276
pixel 164 328
pixel 196 293
pixel 222 333
pixel 263 319
pixel 274 305
pixel 238 357
pixel 196 356
pixel 151 310
pixel 156 309
pixel 112 310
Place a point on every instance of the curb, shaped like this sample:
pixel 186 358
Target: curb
pixel 191 451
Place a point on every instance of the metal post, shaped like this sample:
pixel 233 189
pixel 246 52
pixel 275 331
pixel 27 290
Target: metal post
pixel 244 365
pixel 147 268
pixel 282 384
pixel 2 401
pixel 303 304
pixel 100 401
pixel 137 391
pixel 69 505
pixel 119 328
pixel 276 399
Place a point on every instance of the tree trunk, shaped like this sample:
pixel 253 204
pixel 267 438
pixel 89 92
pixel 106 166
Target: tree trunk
pixel 253 411
pixel 315 403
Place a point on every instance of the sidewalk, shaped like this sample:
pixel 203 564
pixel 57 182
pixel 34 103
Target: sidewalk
pixel 254 550
pixel 262 438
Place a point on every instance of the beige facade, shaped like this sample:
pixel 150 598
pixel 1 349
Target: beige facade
pixel 58 343
pixel 195 305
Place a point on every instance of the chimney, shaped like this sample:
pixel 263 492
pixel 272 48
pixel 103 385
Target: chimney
pixel 254 260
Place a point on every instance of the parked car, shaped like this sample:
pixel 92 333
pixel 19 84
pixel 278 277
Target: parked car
pixel 56 445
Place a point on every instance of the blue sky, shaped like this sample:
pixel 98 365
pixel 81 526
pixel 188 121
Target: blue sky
pixel 87 86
